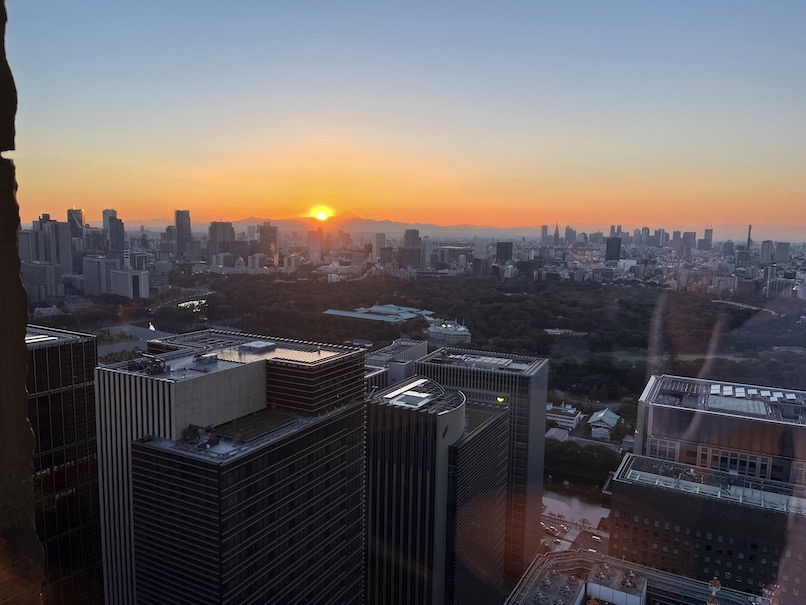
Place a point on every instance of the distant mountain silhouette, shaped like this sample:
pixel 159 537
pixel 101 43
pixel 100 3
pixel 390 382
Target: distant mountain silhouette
pixel 352 223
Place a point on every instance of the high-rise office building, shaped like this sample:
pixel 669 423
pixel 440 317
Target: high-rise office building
pixel 52 242
pixel 519 384
pixel 557 234
pixel 378 242
pixel 503 251
pixel 42 281
pixel 269 242
pixel 208 379
pixel 767 252
pixel 412 249
pixel 117 236
pixel 613 249
pixel 76 221
pixel 98 274
pixel 544 234
pixel 220 235
pixel 781 253
pixel 105 216
pixel 61 407
pixel 267 508
pixel 436 497
pixel 315 245
pixel 183 231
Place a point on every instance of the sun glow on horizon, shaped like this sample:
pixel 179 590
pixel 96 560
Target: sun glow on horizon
pixel 321 213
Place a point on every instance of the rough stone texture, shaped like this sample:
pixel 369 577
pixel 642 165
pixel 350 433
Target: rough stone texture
pixel 21 556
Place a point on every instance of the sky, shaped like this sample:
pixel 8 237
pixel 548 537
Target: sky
pixel 665 114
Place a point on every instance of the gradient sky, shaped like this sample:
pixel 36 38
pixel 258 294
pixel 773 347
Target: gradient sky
pixel 508 113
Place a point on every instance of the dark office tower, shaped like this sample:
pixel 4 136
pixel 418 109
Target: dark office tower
pixel 268 508
pixel 781 252
pixel 544 234
pixel 478 469
pixel 61 407
pixel 767 252
pixel 728 248
pixel 557 234
pixel 284 395
pixel 677 242
pixel 709 237
pixel 52 243
pixel 436 504
pixel 613 250
pixel 75 219
pixel 519 384
pixel 220 236
pixel 412 249
pixel 269 242
pixel 117 236
pixel 503 251
pixel 749 238
pixel 183 233
pixel 612 231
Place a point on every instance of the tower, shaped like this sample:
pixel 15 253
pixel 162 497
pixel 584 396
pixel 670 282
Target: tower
pixel 518 384
pixel 183 232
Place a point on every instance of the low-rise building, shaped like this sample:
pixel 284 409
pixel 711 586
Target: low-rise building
pixel 565 416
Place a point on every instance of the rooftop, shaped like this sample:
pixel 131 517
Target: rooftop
pixel 746 400
pixel 484 360
pixel 387 313
pixel 229 441
pixel 571 576
pixel 39 335
pixel 420 393
pixel 198 353
pixel 706 483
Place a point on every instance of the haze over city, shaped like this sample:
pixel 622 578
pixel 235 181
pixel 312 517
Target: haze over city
pixel 667 115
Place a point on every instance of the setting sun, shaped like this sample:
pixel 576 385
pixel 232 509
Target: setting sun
pixel 321 213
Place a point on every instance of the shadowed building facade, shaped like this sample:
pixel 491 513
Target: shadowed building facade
pixel 518 384
pixel 433 497
pixel 61 406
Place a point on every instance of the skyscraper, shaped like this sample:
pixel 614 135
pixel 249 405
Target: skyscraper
pixel 183 232
pixel 518 384
pixel 106 215
pixel 209 379
pixel 436 497
pixel 378 242
pixel 75 218
pixel 613 249
pixel 767 252
pixel 267 508
pixel 117 236
pixel 220 234
pixel 61 407
pixel 544 234
pixel 503 251
pixel 52 242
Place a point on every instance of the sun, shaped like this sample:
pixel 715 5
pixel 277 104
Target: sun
pixel 321 213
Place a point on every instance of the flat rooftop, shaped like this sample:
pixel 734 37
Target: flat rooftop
pixel 40 335
pixel 418 393
pixel 227 442
pixel 706 483
pixel 484 360
pixel 571 575
pixel 745 400
pixel 197 353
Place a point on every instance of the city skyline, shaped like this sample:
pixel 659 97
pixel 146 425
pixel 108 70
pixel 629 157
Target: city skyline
pixel 662 115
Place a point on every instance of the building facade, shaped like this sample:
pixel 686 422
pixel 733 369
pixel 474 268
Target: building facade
pixel 61 408
pixel 205 378
pixel 518 384
pixel 268 508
